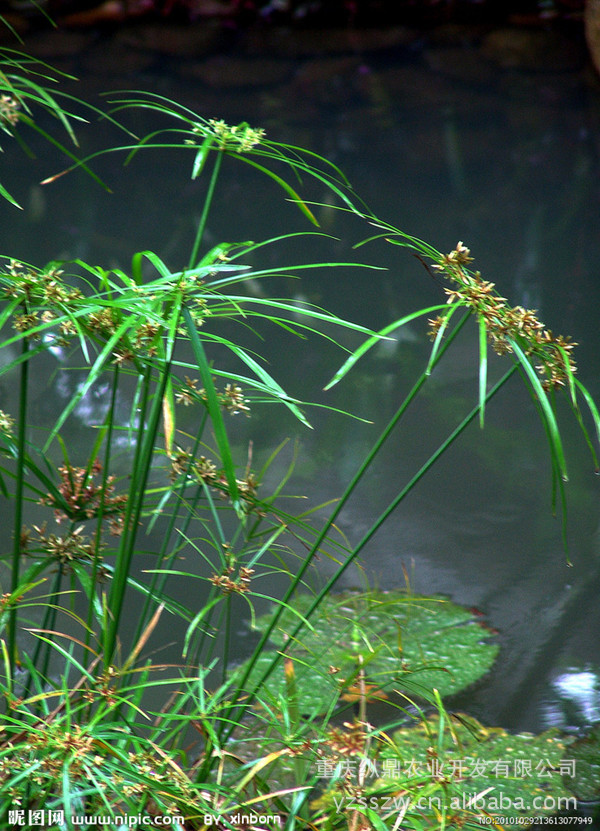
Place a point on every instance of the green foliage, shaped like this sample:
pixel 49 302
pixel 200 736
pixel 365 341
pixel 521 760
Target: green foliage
pixel 586 753
pixel 515 775
pixel 453 772
pixel 25 89
pixel 399 641
pixel 91 724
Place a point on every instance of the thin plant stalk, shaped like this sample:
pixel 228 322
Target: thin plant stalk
pixel 110 417
pixel 193 261
pixel 373 453
pixel 402 494
pixel 42 666
pixel 19 495
pixel 122 565
pixel 144 453
pixel 141 466
pixel 157 586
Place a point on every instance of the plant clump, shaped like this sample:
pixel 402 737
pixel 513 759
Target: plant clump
pixel 92 726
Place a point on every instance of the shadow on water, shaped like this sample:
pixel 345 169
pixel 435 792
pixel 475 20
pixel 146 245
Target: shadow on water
pixel 445 141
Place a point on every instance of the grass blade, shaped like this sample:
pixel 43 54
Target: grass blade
pixel 9 198
pixel 483 367
pixel 548 416
pixel 287 188
pixel 214 411
pixel 372 341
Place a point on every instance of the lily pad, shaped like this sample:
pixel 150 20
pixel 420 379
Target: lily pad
pixel 585 778
pixel 486 771
pixel 399 641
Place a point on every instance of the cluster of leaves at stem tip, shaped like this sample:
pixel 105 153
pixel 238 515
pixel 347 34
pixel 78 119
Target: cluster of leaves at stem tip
pixel 240 138
pixel 504 324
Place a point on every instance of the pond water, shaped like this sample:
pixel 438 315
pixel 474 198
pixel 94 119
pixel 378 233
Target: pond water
pixel 449 137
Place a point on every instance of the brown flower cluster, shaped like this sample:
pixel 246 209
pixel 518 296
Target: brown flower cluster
pixel 203 469
pixel 83 497
pixel 42 286
pixel 239 585
pixel 231 399
pixel 47 302
pixel 44 298
pixel 240 138
pixel 350 741
pixel 505 324
pixel 68 549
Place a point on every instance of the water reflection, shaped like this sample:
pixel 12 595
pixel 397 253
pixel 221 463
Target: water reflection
pixel 447 145
pixel 575 699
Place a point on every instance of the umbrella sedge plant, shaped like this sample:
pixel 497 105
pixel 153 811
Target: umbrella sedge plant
pixel 93 725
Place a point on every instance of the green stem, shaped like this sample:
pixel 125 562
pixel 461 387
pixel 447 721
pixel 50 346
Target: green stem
pixel 227 639
pixel 378 523
pixel 144 453
pixel 207 203
pixel 19 488
pixel 49 624
pixel 105 475
pixel 142 463
pixel 46 625
pixel 408 487
pixel 331 520
pixel 122 564
pixel 159 581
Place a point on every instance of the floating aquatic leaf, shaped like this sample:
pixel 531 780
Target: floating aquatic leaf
pixel 585 782
pixel 403 642
pixel 487 770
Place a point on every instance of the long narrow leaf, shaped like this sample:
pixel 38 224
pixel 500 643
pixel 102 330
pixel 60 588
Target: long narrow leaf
pixel 9 198
pixel 283 184
pixel 93 374
pixel 51 140
pixel 271 384
pixel 483 367
pixel 375 339
pixel 214 411
pixel 549 418
pixel 439 337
